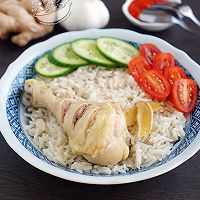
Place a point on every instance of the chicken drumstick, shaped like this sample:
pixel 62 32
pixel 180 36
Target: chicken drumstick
pixel 97 131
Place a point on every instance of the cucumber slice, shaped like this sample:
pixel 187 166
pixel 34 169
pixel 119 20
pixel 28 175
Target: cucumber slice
pixel 44 68
pixel 87 49
pixel 117 50
pixel 63 56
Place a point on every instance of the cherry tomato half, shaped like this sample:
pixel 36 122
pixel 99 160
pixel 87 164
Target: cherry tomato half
pixel 155 84
pixel 184 95
pixel 149 51
pixel 162 61
pixel 174 73
pixel 137 67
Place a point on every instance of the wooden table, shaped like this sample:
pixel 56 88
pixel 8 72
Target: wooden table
pixel 21 181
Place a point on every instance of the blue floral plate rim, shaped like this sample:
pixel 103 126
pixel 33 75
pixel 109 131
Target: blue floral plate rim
pixel 39 48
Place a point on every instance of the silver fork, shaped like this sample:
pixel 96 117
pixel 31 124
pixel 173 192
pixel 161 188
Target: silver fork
pixel 186 11
pixel 179 12
pixel 178 9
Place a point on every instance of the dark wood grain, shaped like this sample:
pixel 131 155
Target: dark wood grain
pixel 21 181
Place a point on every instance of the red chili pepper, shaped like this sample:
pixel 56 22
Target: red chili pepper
pixel 137 6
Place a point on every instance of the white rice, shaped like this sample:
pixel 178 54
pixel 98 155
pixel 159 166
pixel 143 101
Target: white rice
pixel 103 85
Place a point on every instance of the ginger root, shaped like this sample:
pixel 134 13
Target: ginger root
pixel 16 17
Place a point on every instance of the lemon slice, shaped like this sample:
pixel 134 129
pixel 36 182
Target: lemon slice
pixel 144 119
pixel 156 106
pixel 131 116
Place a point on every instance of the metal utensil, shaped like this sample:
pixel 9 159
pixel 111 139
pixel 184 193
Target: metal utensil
pixel 167 18
pixel 160 17
pixel 156 16
pixel 186 11
pixel 170 13
pixel 179 10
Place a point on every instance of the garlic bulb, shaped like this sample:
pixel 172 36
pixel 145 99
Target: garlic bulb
pixel 87 14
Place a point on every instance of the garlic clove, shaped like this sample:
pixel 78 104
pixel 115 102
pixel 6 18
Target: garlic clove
pixel 87 14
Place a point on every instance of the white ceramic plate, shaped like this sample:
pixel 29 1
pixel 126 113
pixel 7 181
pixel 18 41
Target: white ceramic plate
pixel 11 119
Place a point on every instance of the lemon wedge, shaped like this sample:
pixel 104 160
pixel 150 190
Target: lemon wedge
pixel 156 106
pixel 131 116
pixel 144 119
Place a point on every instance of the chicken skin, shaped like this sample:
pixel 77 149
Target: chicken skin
pixel 97 131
